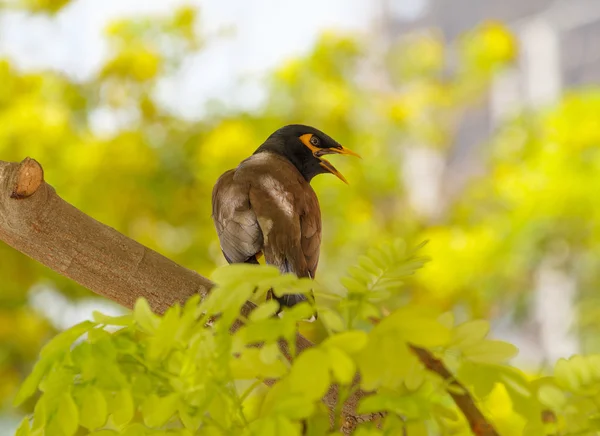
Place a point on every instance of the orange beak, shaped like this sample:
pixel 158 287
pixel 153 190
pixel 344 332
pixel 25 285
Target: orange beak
pixel 326 165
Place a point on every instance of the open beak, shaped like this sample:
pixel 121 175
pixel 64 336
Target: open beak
pixel 327 165
pixel 340 150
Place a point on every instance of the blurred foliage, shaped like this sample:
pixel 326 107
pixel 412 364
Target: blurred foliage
pixel 173 375
pixel 151 178
pixel 142 374
pixel 49 7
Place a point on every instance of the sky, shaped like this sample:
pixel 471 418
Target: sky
pixel 262 34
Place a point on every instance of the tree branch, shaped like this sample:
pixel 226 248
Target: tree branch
pixel 465 402
pixel 37 222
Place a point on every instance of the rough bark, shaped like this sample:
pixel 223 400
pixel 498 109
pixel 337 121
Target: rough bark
pixel 37 222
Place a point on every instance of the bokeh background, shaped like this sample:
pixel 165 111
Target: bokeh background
pixel 477 121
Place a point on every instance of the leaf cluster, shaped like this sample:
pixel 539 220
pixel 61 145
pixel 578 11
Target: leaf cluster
pixel 184 373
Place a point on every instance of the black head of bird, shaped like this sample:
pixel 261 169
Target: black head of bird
pixel 305 146
pixel 267 206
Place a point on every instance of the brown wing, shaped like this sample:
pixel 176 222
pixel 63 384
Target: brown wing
pixel 236 223
pixel 286 209
pixel 279 221
pixel 310 224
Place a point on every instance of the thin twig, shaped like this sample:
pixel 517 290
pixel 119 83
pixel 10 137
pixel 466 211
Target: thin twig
pixel 465 402
pixel 549 417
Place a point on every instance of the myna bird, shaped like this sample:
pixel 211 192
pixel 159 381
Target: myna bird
pixel 267 206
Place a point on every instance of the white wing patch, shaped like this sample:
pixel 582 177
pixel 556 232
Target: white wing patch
pixel 277 192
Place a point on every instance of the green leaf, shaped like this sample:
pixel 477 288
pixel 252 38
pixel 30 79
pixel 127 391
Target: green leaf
pixel 515 382
pixel 250 364
pixel 67 415
pixel 51 352
pixel 135 429
pixel 266 426
pixel 309 375
pixel 424 332
pixel 144 317
pixel 490 352
pixel 332 320
pixel 57 381
pixel 267 330
pixel 318 423
pixel 123 407
pixel 447 320
pixel 31 383
pixel 265 310
pixel 40 413
pixel 480 378
pixel 380 274
pixel 388 369
pixel 190 420
pixel 404 405
pixel 24 428
pixel 298 312
pixel 416 327
pixel 569 374
pixel 594 363
pixel 164 337
pixel 552 397
pixel 469 333
pixel 269 353
pixel 220 409
pixel 455 389
pixel 367 431
pixel 353 285
pixel 123 320
pixel 92 411
pixel 191 306
pixel 350 342
pixel 284 426
pixel 234 274
pixel 62 342
pixel 580 366
pixel 369 266
pixel 294 407
pixel 368 311
pixel 227 301
pixel 415 377
pixel 342 367
pixel 158 410
pixel 444 412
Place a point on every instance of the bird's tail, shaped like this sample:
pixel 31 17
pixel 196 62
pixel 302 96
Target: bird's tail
pixel 290 300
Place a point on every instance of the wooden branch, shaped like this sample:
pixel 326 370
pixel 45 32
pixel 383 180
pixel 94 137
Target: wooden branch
pixel 465 402
pixel 29 178
pixel 37 222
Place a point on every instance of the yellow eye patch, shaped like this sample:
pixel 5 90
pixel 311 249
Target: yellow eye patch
pixel 306 141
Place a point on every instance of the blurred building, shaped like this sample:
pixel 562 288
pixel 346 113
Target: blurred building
pixel 559 44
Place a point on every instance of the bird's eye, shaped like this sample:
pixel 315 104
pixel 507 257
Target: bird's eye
pixel 314 140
